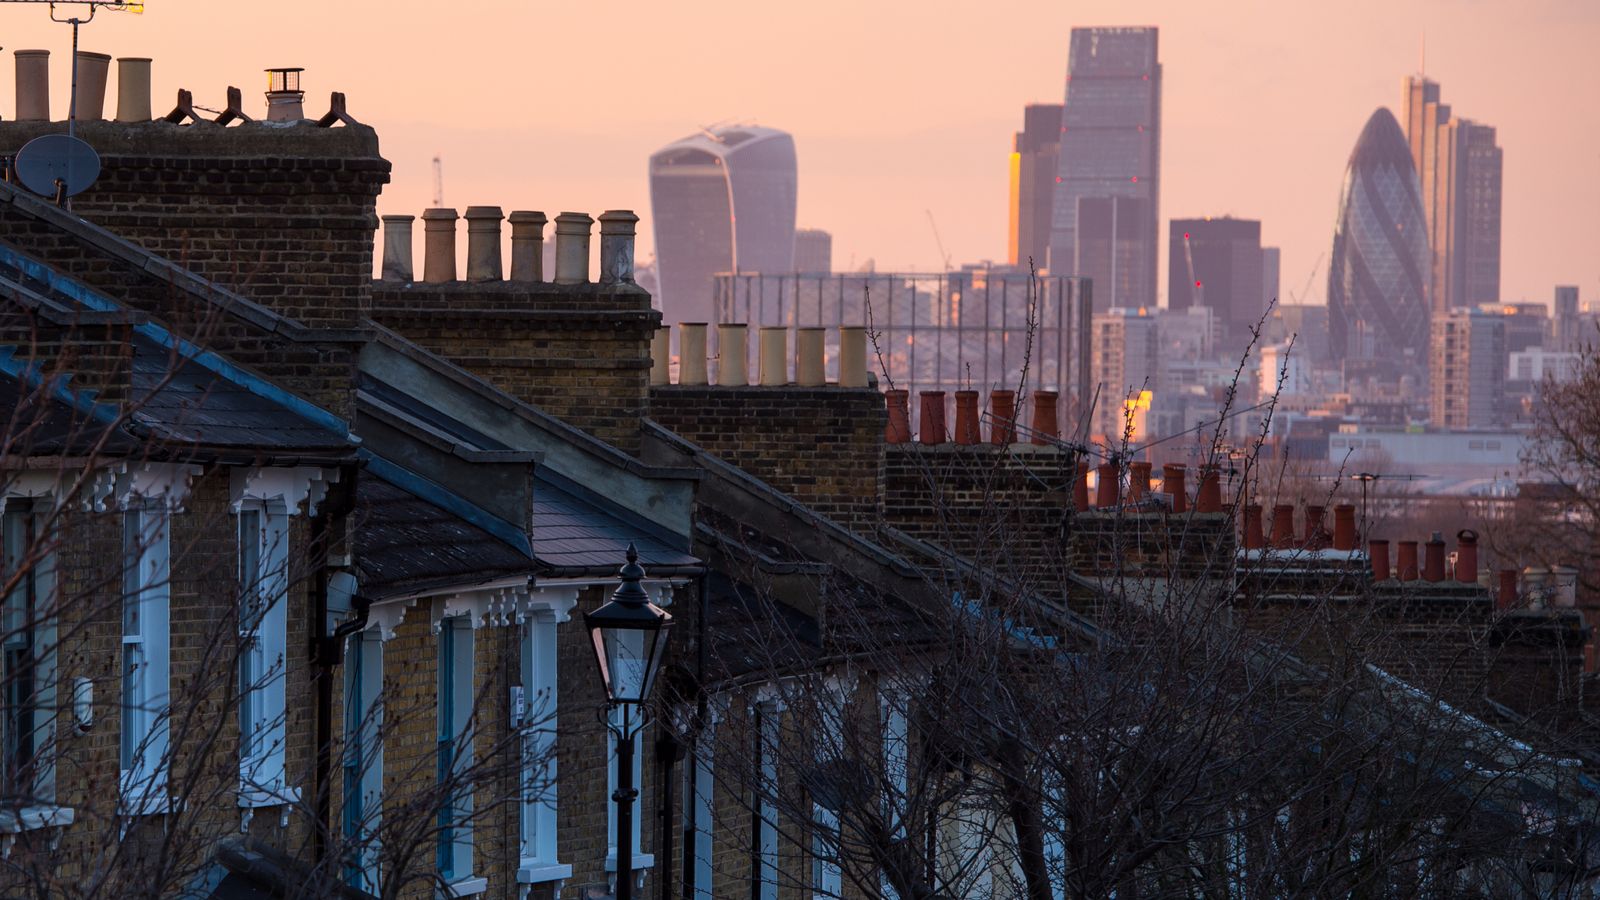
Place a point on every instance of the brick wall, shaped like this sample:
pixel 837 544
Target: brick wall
pixel 823 446
pixel 580 352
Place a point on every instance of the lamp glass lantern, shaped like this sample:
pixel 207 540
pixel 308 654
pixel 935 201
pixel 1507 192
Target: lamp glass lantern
pixel 630 637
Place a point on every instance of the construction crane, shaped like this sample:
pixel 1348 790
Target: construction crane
pixel 943 256
pixel 1306 288
pixel 438 181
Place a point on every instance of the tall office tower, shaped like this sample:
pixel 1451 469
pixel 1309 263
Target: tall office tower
pixel 1035 161
pixel 1458 168
pixel 1271 276
pixel 1468 369
pixel 1125 362
pixel 723 201
pixel 1110 148
pixel 1378 275
pixel 813 250
pixel 1564 326
pixel 1217 262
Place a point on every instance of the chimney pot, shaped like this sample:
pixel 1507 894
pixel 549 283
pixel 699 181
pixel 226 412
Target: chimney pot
pixel 1208 499
pixel 1283 526
pixel 285 99
pixel 1316 532
pixel 1080 487
pixel 133 89
pixel 1172 482
pixel 1507 597
pixel 733 355
pixel 617 227
pixel 1467 556
pixel 1138 480
pixel 967 418
pixel 90 98
pixel 1045 429
pixel 809 367
pixel 774 358
pixel 527 245
pixel 1003 417
pixel 572 248
pixel 692 353
pixel 1433 559
pixel 660 356
pixel 1407 565
pixel 483 243
pixel 33 85
pixel 898 430
pixel 1344 527
pixel 1108 486
pixel 439 245
pixel 932 430
pixel 397 248
pixel 852 356
pixel 1253 538
pixel 1379 551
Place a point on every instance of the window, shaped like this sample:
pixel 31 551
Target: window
pixel 768 718
pixel 454 839
pixel 363 759
pixel 28 655
pixel 145 666
pixel 827 879
pixel 538 727
pixel 263 614
pixel 896 763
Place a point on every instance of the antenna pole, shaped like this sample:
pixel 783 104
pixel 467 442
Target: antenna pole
pixel 72 101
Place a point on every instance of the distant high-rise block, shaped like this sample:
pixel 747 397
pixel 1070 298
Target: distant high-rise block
pixel 1125 362
pixel 1378 274
pixel 1467 371
pixel 723 200
pixel 813 250
pixel 1217 262
pixel 1564 325
pixel 1271 265
pixel 1035 162
pixel 1110 148
pixel 1458 168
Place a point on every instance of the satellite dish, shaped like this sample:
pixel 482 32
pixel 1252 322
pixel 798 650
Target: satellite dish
pixel 52 158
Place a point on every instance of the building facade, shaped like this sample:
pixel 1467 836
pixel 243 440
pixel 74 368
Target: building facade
pixel 1219 262
pixel 1035 163
pixel 1468 370
pixel 1127 363
pixel 723 201
pixel 813 250
pixel 1107 204
pixel 1459 166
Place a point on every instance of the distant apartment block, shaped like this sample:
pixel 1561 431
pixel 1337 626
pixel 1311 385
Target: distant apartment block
pixel 813 250
pixel 1126 363
pixel 1035 163
pixel 1468 370
pixel 1219 263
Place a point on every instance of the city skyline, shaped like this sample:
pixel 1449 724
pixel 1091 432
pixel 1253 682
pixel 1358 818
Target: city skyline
pixel 877 155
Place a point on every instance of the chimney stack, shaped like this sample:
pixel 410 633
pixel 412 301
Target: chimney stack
pixel 733 350
pixel 397 248
pixel 527 245
pixel 773 361
pixel 483 243
pixel 1253 538
pixel 898 431
pixel 33 85
pixel 1433 559
pixel 852 356
pixel 1507 597
pixel 932 430
pixel 1138 480
pixel 1467 556
pixel 1283 526
pixel 90 98
pixel 1108 486
pixel 660 355
pixel 284 97
pixel 617 227
pixel 572 248
pixel 1003 417
pixel 809 368
pixel 438 245
pixel 1172 482
pixel 1407 568
pixel 1045 428
pixel 1344 527
pixel 1209 498
pixel 692 353
pixel 967 417
pixel 1379 551
pixel 133 89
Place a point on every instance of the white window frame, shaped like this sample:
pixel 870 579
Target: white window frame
pixel 826 874
pixel 454 702
pixel 33 633
pixel 896 737
pixel 363 760
pixel 701 774
pixel 539 710
pixel 769 708
pixel 146 656
pixel 263 648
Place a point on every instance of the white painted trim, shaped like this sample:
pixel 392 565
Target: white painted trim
pixel 293 485
pixel 493 605
pixel 467 887
pixel 32 818
pixel 148 483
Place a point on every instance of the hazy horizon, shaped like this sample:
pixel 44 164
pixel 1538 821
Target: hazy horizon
pixel 558 108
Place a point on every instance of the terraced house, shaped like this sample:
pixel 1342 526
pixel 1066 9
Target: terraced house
pixel 297 562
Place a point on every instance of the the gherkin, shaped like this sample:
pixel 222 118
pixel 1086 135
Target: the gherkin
pixel 1377 280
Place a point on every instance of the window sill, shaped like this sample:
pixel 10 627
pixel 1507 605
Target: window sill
pixel 466 887
pixel 531 871
pixel 151 803
pixel 30 818
pixel 640 861
pixel 258 797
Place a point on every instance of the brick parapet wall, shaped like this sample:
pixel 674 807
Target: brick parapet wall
pixel 822 446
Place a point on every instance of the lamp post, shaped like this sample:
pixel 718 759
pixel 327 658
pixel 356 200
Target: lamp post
pixel 630 637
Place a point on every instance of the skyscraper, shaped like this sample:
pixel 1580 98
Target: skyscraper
pixel 1035 160
pixel 1271 263
pixel 813 250
pixel 1110 148
pixel 723 200
pixel 1378 276
pixel 1468 369
pixel 1459 169
pixel 1217 262
pixel 1564 327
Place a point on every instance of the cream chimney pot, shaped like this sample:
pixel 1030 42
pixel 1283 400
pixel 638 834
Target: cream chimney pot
pixel 809 370
pixel 527 245
pixel 692 353
pixel 733 355
pixel 572 248
pixel 660 356
pixel 397 248
pixel 133 89
pixel 439 245
pixel 852 356
pixel 617 228
pixel 774 360
pixel 91 95
pixel 483 243
pixel 33 85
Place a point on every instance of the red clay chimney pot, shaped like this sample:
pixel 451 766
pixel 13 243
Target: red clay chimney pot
pixel 898 430
pixel 967 417
pixel 932 425
pixel 1344 527
pixel 1003 417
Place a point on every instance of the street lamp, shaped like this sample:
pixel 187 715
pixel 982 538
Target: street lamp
pixel 630 637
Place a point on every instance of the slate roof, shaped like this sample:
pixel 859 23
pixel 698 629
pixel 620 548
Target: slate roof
pixel 405 543
pixel 570 532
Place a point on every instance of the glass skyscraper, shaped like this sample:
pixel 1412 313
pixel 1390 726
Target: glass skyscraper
pixel 1377 282
pixel 1107 195
pixel 723 200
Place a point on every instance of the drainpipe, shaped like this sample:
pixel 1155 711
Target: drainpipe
pixel 691 793
pixel 324 655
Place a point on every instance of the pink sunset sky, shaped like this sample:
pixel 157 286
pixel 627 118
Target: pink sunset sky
pixel 899 107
